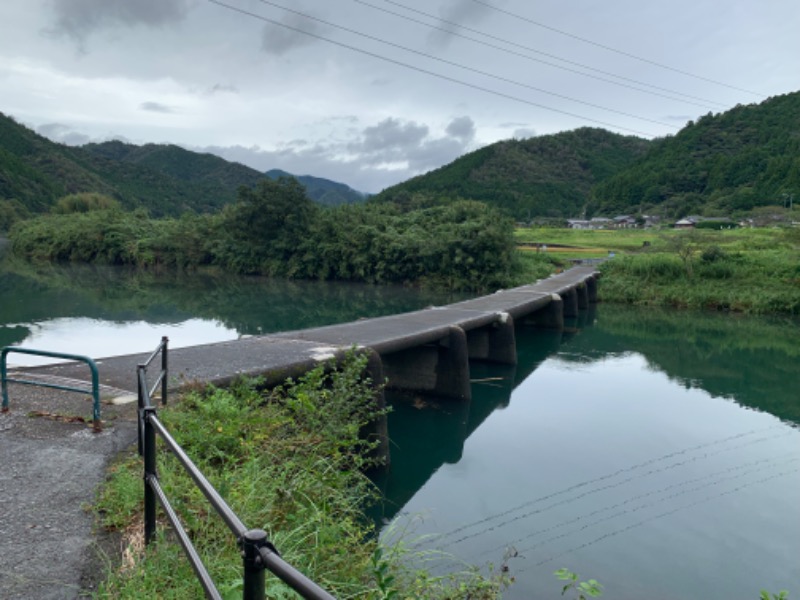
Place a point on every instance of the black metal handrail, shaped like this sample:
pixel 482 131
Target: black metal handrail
pixel 257 552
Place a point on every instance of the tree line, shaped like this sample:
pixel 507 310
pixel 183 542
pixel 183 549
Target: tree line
pixel 274 229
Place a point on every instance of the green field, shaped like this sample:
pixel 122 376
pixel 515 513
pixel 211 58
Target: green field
pixel 745 270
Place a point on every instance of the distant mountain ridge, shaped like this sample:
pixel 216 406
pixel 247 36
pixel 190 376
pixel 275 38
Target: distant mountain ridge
pixel 720 165
pixel 323 191
pixel 165 179
pixel 744 158
pixel 546 176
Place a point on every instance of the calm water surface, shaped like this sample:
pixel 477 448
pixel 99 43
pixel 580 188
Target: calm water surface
pixel 656 452
pixel 106 311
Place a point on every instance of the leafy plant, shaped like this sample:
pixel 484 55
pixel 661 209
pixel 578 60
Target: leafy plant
pixel 765 595
pixel 580 589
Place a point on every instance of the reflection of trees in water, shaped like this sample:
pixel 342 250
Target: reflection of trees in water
pixel 250 305
pixel 753 361
pixel 750 360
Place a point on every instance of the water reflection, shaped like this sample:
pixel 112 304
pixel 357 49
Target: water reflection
pixel 52 305
pixel 618 448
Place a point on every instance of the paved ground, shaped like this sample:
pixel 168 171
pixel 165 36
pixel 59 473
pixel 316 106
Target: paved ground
pixel 50 471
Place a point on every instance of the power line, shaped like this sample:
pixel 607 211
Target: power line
pixel 610 476
pixel 466 68
pixel 706 102
pixel 656 517
pixel 615 50
pixel 593 491
pixel 431 73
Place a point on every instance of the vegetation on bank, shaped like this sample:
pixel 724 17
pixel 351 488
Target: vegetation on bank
pixel 290 461
pixel 275 230
pixel 742 270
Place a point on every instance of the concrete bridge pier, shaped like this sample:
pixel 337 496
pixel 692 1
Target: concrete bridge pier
pixel 583 296
pixel 549 317
pixel 377 430
pixel 570 298
pixel 591 288
pixel 495 343
pixel 440 368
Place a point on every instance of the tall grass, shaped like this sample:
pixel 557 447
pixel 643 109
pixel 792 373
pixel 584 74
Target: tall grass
pixel 760 280
pixel 290 461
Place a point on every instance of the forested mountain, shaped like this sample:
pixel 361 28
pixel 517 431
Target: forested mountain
pixel 546 176
pixel 323 191
pixel 195 167
pixel 735 161
pixel 722 164
pixel 166 180
pixel 34 171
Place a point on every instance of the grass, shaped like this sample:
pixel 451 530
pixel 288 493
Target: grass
pixel 601 240
pixel 290 461
pixel 743 270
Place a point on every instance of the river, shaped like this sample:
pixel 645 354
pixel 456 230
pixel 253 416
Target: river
pixel 656 451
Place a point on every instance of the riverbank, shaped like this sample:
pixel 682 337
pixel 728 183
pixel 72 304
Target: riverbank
pixel 290 460
pixel 752 271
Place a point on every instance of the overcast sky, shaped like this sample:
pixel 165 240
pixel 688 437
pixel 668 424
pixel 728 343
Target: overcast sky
pixel 382 89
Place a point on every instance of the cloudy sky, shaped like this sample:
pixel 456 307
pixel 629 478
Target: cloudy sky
pixel 372 92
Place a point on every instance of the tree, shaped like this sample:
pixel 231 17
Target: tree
pixel 267 224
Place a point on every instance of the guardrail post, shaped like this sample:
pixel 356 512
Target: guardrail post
pixel 140 404
pixel 164 341
pixel 252 541
pixel 149 473
pixel 4 376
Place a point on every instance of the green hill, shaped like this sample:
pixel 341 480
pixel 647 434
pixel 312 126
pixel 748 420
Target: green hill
pixel 204 169
pixel 166 180
pixel 546 176
pixel 722 164
pixel 323 191
pixel 34 171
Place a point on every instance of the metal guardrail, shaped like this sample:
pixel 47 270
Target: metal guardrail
pixel 257 552
pixel 96 425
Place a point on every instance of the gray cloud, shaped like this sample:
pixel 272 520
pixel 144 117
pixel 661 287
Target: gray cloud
pixel 459 12
pixel 62 134
pixel 462 128
pixel 219 88
pixel 391 135
pixel 279 40
pixel 524 132
pixel 156 107
pixel 380 156
pixel 78 18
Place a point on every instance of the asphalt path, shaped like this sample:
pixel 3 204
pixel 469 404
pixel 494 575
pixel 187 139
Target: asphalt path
pixel 52 465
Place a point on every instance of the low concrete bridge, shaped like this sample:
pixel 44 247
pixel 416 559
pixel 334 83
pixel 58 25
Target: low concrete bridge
pixel 50 463
pixel 423 351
